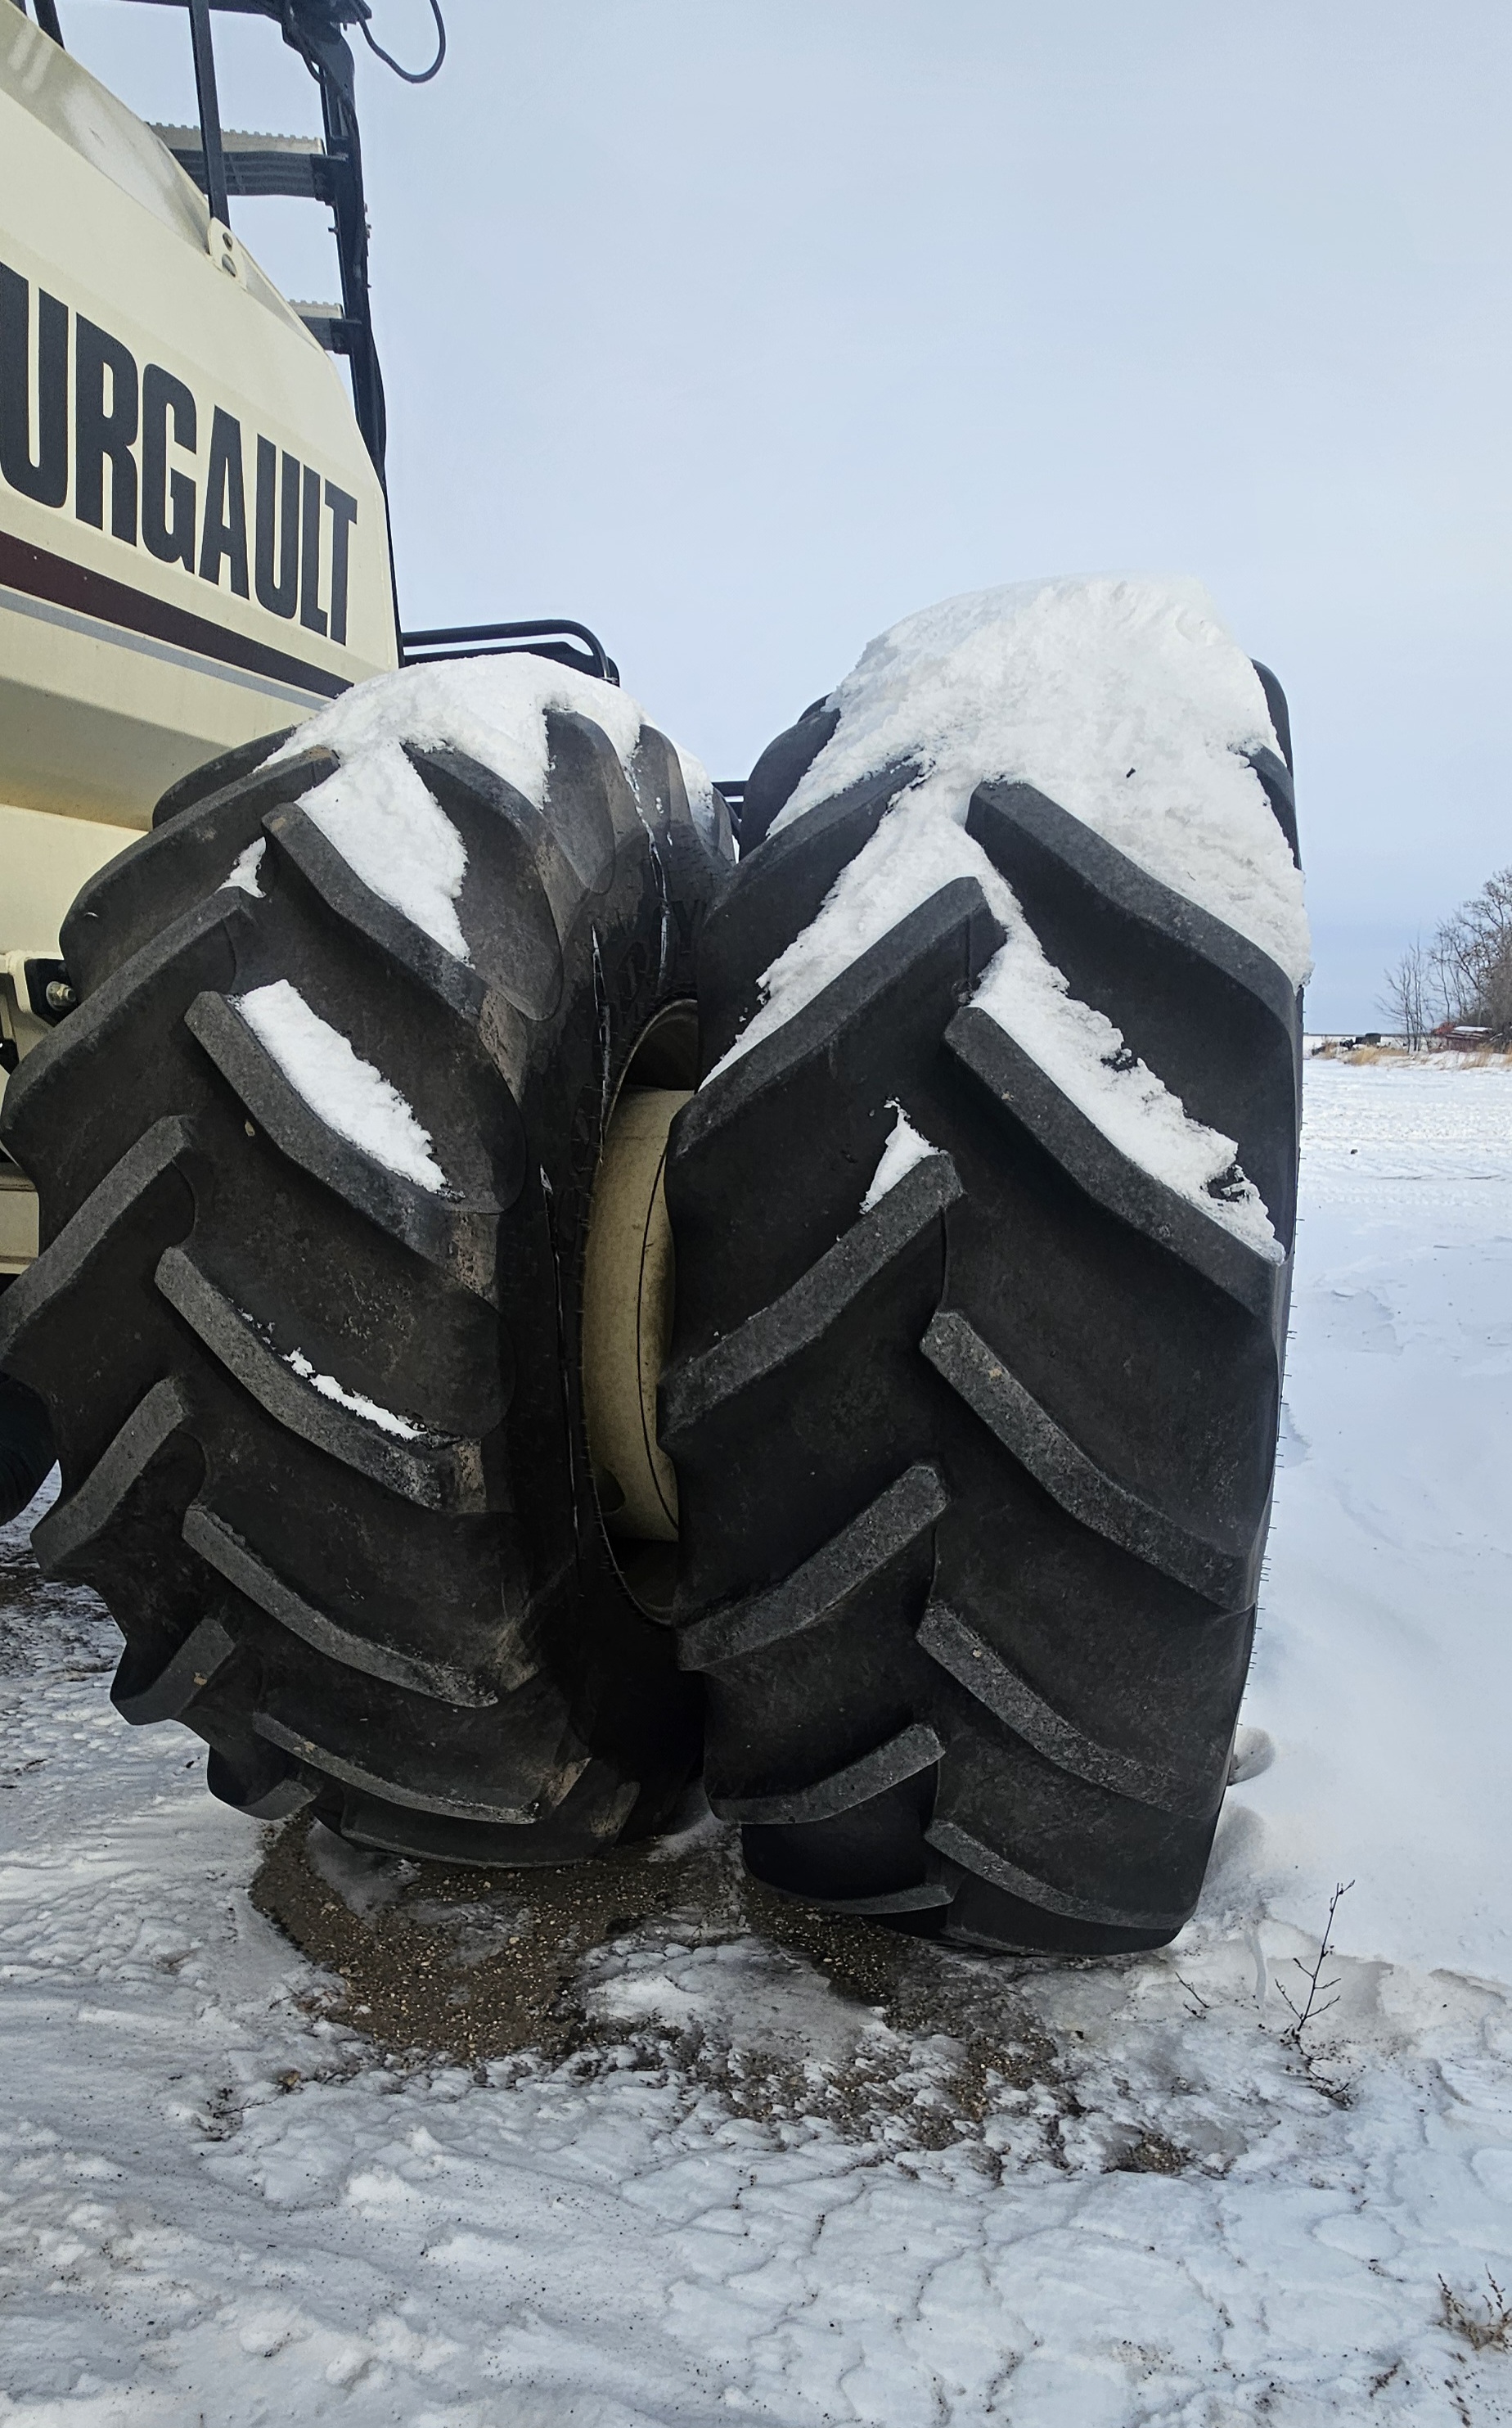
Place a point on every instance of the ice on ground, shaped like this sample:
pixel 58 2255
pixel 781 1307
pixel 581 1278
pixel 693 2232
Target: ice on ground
pixel 905 1148
pixel 349 1095
pixel 379 814
pixel 1383 1662
pixel 329 1388
pixel 244 869
pixel 1084 2195
pixel 1124 700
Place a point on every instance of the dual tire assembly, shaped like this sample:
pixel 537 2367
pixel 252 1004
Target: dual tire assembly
pixel 476 1506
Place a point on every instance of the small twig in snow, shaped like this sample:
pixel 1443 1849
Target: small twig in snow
pixel 1318 1999
pixel 1201 2006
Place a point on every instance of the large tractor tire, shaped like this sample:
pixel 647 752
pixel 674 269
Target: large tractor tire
pixel 975 1478
pixel 311 1351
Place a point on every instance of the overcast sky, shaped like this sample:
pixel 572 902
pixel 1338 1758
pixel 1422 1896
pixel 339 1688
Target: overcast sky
pixel 740 328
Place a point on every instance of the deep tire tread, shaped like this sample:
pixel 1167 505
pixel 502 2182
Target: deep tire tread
pixel 1031 1436
pixel 1006 1499
pixel 771 1339
pixel 352 1616
pixel 903 1756
pixel 822 1585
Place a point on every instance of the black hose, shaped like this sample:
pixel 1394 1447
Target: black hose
pixel 410 75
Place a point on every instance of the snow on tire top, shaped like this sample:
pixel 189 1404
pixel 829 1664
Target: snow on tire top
pixel 379 814
pixel 1126 701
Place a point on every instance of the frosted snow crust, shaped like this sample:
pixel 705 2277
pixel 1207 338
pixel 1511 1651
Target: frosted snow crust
pixel 1127 703
pixel 381 818
pixel 349 1095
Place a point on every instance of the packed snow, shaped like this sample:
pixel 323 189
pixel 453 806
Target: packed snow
pixel 1129 704
pixel 243 876
pixel 1084 1054
pixel 392 831
pixel 1382 1665
pixel 329 1388
pixel 348 1094
pixel 905 1148
pixel 380 815
pixel 1126 701
pixel 1094 2195
pixel 495 708
pixel 911 856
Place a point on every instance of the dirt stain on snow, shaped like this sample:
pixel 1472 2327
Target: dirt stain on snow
pixel 672 1961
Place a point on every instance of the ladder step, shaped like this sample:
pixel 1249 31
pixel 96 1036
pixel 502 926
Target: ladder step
pixel 257 164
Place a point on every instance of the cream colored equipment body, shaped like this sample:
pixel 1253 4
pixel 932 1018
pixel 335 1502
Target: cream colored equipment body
pixel 194 541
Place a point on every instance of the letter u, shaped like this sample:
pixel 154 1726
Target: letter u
pixel 280 595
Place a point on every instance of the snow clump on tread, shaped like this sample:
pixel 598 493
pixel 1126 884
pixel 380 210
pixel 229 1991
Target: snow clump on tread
pixel 356 1101
pixel 329 1388
pixel 395 834
pixel 243 876
pixel 495 708
pixel 382 819
pixel 1128 704
pixel 1081 1051
pixel 904 1148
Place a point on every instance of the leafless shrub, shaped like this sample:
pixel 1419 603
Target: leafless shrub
pixel 1474 951
pixel 1409 998
pixel 1486 2323
pixel 1319 1995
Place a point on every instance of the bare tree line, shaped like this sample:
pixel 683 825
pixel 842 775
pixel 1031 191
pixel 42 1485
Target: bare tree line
pixel 1464 974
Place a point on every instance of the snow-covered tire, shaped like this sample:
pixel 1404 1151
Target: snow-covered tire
pixel 975 1485
pixel 319 1419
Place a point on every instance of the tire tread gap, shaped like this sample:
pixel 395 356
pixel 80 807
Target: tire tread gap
pixel 787 1325
pixel 182 1676
pixel 995 1682
pixel 959 1353
pixel 962 1846
pixel 914 1748
pixel 827 1580
pixel 317 1757
pixel 433 1478
pixel 1020 1088
pixel 71 1525
pixel 238 1563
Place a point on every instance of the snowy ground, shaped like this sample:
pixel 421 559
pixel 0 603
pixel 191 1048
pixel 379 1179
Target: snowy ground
pixel 1051 2196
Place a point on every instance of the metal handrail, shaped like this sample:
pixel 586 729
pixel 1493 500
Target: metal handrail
pixel 472 641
